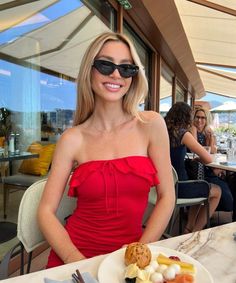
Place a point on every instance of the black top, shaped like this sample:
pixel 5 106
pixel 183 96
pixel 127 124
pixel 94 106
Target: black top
pixel 177 154
pixel 201 138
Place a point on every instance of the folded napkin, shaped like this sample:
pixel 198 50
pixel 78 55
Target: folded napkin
pixel 86 276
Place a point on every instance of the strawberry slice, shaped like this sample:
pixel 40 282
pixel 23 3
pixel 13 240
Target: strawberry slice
pixel 174 257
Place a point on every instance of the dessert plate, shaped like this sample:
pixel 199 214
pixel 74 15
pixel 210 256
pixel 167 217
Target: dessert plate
pixel 112 268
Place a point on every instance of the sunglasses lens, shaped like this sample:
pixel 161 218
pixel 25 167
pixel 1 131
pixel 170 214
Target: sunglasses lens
pixel 128 70
pixel 106 68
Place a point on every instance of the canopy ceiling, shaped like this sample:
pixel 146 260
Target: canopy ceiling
pixel 54 43
pixel 210 27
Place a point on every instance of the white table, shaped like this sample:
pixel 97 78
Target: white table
pixel 215 248
pixel 220 162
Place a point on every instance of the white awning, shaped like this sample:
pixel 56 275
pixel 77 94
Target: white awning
pixel 56 45
pixel 228 106
pixel 210 27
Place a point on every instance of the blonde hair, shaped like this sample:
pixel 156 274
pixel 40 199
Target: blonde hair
pixel 85 97
pixel 207 114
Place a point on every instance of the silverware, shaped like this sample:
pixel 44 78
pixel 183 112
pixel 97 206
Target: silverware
pixel 81 280
pixel 75 277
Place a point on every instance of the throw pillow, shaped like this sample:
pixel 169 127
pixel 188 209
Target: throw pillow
pixel 2 140
pixel 38 166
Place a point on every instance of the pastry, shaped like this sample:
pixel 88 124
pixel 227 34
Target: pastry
pixel 138 253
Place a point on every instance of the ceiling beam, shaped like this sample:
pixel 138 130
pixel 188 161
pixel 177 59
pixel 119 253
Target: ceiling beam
pixel 217 74
pixel 216 65
pixel 214 6
pixel 14 4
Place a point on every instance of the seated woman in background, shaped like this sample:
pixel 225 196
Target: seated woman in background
pixel 201 130
pixel 205 136
pixel 179 121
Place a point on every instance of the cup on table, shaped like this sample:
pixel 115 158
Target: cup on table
pixel 231 155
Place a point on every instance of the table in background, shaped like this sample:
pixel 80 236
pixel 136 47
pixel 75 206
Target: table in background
pixel 8 229
pixel 220 162
pixel 214 248
pixel 13 157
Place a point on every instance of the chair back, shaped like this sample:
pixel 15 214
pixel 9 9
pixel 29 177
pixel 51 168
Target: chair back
pixel 176 180
pixel 175 175
pixel 28 231
pixel 152 197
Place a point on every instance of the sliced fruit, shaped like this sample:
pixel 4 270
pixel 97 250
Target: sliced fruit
pixel 182 278
pixel 185 267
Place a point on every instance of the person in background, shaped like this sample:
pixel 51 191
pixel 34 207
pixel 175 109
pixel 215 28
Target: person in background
pixel 202 131
pixel 118 154
pixel 179 122
pixel 205 136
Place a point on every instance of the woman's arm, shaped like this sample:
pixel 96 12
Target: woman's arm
pixel 159 152
pixel 210 139
pixel 196 147
pixel 53 230
pixel 194 131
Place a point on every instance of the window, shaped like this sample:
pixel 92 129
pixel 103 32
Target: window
pixel 40 60
pixel 144 54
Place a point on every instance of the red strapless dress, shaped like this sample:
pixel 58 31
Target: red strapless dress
pixel 111 199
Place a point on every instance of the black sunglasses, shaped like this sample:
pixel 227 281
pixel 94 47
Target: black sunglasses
pixel 199 117
pixel 107 68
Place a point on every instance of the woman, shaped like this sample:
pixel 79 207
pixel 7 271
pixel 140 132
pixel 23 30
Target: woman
pixel 178 121
pixel 205 136
pixel 119 157
pixel 201 130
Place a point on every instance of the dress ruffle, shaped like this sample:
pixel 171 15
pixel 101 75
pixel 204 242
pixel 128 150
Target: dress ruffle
pixel 141 166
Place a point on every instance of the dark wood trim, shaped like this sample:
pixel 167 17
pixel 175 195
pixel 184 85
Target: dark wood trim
pixel 120 17
pixel 158 81
pixel 185 95
pixel 152 89
pixel 114 4
pixel 153 103
pixel 217 74
pixel 174 81
pixel 215 6
pixel 15 3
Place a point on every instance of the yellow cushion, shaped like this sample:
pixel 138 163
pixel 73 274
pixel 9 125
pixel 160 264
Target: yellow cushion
pixel 2 140
pixel 38 166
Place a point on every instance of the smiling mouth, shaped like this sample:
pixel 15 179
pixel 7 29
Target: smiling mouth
pixel 113 86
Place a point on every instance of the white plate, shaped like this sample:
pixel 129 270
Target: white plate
pixel 112 268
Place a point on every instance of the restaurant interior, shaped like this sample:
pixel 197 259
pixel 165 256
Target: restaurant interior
pixel 187 49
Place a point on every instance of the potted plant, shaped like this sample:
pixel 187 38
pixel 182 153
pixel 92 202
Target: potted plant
pixel 5 123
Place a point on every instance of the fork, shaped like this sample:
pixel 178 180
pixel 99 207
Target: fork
pixel 76 278
pixel 79 276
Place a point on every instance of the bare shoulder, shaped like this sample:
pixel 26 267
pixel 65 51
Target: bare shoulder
pixel 71 136
pixel 152 118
